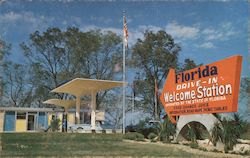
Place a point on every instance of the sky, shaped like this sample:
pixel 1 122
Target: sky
pixel 206 31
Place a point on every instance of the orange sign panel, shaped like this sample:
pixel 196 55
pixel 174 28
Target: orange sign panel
pixel 212 88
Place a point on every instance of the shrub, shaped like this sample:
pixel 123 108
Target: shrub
pixel 134 136
pixel 151 136
pixel 194 145
pixel 55 125
pixel 130 136
pixel 153 140
pixel 139 137
pixel 215 150
pixel 145 127
pixel 147 130
pixel 202 148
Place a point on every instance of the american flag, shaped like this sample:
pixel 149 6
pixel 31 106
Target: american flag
pixel 125 31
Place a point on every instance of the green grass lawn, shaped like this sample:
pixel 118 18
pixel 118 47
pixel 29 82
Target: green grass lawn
pixel 73 144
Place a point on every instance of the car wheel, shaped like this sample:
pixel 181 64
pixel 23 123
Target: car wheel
pixel 79 130
pixel 70 130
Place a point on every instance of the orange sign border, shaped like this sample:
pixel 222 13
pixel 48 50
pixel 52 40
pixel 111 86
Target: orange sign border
pixel 229 71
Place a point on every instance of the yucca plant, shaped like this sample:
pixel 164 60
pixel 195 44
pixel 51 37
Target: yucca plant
pixel 229 134
pixel 165 130
pixel 240 124
pixel 217 133
pixel 228 131
pixel 191 134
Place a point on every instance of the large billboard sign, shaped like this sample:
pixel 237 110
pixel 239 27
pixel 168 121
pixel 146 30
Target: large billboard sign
pixel 212 88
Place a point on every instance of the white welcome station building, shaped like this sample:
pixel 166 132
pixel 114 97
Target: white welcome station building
pixel 86 114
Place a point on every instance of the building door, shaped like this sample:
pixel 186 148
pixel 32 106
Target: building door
pixel 31 122
pixel 87 117
pixel 10 121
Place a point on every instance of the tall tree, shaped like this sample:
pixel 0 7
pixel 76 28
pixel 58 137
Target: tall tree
pixel 5 49
pixel 57 56
pixel 154 56
pixel 189 64
pixel 17 91
pixel 244 97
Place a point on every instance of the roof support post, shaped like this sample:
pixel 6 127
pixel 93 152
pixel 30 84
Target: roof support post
pixel 93 109
pixel 78 105
pixel 66 109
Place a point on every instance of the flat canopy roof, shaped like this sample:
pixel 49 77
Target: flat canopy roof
pixel 63 103
pixel 82 86
pixel 60 102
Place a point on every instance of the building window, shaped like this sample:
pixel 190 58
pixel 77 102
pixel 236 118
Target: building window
pixel 21 115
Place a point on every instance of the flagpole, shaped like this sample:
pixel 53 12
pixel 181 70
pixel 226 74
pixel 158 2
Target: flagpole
pixel 124 79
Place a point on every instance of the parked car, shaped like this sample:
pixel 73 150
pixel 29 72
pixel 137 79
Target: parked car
pixel 105 125
pixel 87 127
pixel 79 128
pixel 131 128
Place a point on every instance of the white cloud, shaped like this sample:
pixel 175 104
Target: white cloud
pixel 206 45
pixel 13 17
pixel 66 1
pixel 2 1
pixel 128 20
pixel 207 37
pixel 181 31
pixel 89 27
pixel 225 31
pixel 64 22
pixel 115 30
pixel 226 25
pixel 208 31
pixel 214 36
pixel 143 28
pixel 101 19
pixel 25 22
pixel 134 34
pixel 76 20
